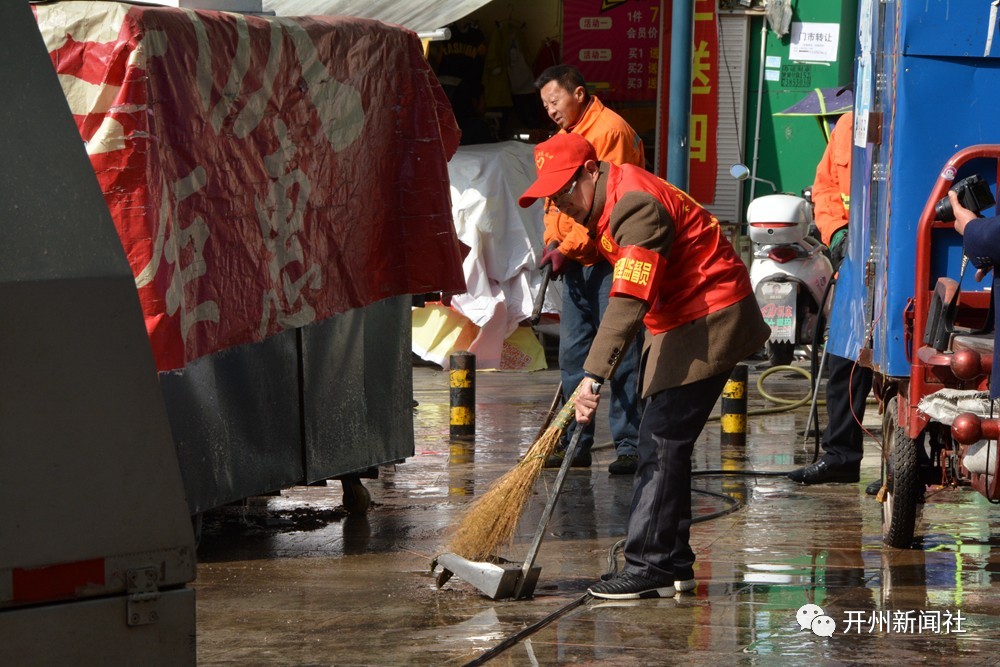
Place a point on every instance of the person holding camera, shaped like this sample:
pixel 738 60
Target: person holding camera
pixel 981 244
pixel 849 383
pixel 674 272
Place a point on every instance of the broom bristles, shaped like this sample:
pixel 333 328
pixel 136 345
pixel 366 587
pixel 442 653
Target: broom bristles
pixel 491 519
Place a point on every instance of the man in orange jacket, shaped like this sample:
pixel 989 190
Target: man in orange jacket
pixel 586 276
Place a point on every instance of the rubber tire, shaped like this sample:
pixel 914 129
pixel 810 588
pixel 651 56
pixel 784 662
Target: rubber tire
pixel 901 472
pixel 780 354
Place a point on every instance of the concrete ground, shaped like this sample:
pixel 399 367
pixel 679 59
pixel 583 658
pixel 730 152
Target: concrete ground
pixel 295 580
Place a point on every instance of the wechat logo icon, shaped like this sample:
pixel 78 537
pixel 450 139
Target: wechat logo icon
pixel 811 617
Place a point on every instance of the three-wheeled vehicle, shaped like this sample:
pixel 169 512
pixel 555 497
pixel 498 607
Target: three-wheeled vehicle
pixel 927 88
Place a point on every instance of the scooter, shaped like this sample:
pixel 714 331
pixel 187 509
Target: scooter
pixel 790 270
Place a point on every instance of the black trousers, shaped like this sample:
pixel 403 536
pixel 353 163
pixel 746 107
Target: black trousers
pixel 843 438
pixel 659 524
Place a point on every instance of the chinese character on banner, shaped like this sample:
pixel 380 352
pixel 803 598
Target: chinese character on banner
pixel 704 103
pixel 628 33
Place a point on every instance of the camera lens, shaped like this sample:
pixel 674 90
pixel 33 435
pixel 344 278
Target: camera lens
pixel 942 210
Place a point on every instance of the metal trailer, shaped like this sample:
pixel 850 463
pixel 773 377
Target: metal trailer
pixel 97 543
pixel 330 400
pixel 927 84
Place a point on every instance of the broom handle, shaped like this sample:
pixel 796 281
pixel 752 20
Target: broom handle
pixel 543 522
pixel 553 407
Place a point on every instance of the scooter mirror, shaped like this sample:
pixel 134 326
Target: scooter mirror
pixel 740 172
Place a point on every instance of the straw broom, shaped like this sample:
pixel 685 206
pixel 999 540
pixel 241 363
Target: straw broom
pixel 491 519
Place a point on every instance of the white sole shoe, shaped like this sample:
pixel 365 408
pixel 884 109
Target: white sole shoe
pixel 686 585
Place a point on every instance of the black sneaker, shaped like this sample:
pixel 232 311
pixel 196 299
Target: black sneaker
pixel 625 464
pixel 684 581
pixel 873 488
pixel 822 472
pixel 555 460
pixel 628 586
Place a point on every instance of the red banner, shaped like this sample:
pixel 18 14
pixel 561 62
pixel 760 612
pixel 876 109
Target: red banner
pixel 263 173
pixel 704 103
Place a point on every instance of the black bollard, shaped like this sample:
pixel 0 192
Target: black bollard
pixel 734 408
pixel 463 395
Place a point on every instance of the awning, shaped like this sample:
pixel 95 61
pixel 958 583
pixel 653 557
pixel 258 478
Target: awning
pixel 421 16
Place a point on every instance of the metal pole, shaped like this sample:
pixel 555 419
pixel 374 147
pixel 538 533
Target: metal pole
pixel 679 125
pixel 760 96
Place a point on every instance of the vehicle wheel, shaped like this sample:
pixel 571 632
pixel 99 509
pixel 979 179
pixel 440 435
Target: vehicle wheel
pixel 780 354
pixel 357 499
pixel 902 487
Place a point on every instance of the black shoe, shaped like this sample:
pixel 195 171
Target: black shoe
pixel 555 460
pixel 625 464
pixel 628 586
pixel 822 472
pixel 873 488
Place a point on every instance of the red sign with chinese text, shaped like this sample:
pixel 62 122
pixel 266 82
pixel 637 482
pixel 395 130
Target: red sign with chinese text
pixel 704 103
pixel 615 44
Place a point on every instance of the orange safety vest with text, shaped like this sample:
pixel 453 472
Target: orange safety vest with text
pixel 700 274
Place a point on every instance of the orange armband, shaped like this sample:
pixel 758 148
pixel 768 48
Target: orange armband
pixel 638 272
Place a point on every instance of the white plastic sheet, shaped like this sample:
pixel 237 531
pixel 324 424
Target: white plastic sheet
pixel 504 241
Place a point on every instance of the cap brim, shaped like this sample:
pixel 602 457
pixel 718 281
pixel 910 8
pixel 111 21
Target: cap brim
pixel 546 186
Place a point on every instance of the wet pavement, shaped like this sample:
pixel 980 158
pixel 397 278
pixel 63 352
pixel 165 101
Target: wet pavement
pixel 295 580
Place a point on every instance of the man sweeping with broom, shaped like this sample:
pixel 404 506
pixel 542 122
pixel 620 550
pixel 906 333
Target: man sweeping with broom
pixel 675 272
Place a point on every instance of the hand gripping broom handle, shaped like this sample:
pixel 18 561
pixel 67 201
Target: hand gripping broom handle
pixel 561 420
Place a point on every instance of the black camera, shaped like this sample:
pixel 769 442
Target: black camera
pixel 973 193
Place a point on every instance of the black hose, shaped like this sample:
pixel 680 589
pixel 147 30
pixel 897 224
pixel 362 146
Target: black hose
pixel 814 363
pixel 528 631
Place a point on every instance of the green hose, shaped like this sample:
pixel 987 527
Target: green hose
pixel 784 404
pixel 789 404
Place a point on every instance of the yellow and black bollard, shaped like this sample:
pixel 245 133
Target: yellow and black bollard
pixel 463 395
pixel 734 408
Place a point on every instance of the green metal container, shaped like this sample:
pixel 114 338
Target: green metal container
pixel 816 52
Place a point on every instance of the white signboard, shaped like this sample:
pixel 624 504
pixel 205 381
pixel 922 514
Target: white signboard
pixel 864 84
pixel 816 42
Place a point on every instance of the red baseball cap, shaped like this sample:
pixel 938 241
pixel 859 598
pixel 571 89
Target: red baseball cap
pixel 556 160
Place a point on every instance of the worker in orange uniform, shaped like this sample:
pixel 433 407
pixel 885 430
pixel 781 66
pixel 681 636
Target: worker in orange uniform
pixel 586 276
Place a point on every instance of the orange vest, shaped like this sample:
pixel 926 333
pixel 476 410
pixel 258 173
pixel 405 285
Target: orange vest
pixel 701 273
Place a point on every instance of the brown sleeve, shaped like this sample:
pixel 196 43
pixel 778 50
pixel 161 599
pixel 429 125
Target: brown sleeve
pixel 637 219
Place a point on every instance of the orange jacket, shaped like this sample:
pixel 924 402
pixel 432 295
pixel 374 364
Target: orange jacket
pixel 831 190
pixel 615 141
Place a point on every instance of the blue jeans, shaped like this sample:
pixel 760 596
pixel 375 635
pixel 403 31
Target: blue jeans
pixel 586 290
